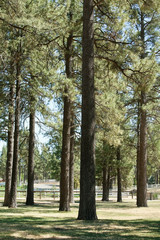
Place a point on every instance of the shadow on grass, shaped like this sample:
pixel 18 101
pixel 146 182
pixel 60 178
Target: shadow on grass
pixel 74 229
pixel 111 204
pixel 19 226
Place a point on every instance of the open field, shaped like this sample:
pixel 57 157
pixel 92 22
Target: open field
pixel 116 221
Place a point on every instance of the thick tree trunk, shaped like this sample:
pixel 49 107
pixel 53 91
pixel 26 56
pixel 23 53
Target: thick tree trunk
pixel 65 160
pixel 119 192
pixel 106 183
pixel 87 207
pixel 30 187
pixel 142 159
pixel 71 174
pixel 9 146
pixel 64 180
pixel 142 165
pixel 13 202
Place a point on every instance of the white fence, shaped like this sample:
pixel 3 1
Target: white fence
pixel 55 194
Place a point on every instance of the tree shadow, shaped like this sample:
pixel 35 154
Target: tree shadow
pixel 75 229
pixel 15 224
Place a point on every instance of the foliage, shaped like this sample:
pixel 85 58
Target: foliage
pixel 3 158
pixel 124 66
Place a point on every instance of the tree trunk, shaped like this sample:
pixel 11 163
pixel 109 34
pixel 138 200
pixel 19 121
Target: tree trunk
pixel 19 172
pixel 142 160
pixel 30 187
pixel 65 160
pixel 138 149
pixel 142 165
pixel 71 174
pixel 64 180
pixel 106 183
pixel 9 146
pixel 87 207
pixel 119 192
pixel 13 202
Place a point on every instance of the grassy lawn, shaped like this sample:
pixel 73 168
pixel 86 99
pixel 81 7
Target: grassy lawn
pixel 116 221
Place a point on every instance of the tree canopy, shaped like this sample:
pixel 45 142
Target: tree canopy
pixel 43 64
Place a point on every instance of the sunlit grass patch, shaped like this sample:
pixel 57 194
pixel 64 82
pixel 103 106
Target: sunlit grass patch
pixel 116 221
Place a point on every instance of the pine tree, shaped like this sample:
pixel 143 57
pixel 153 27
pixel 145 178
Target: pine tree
pixel 72 146
pixel 119 179
pixel 65 161
pixel 10 141
pixel 30 186
pixel 144 75
pixel 13 194
pixel 87 208
pixel 67 141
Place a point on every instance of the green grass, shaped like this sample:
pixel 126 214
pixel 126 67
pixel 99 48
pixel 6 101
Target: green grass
pixel 116 221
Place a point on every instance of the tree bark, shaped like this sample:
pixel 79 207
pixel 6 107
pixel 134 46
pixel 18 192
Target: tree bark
pixel 71 174
pixel 119 192
pixel 142 165
pixel 142 160
pixel 19 171
pixel 106 183
pixel 13 195
pixel 64 180
pixel 30 187
pixel 87 207
pixel 138 149
pixel 10 144
pixel 65 159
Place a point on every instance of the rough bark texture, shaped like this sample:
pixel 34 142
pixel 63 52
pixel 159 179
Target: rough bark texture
pixel 9 146
pixel 65 159
pixel 71 173
pixel 142 165
pixel 87 207
pixel 142 160
pixel 138 150
pixel 64 180
pixel 13 202
pixel 119 192
pixel 30 187
pixel 106 183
